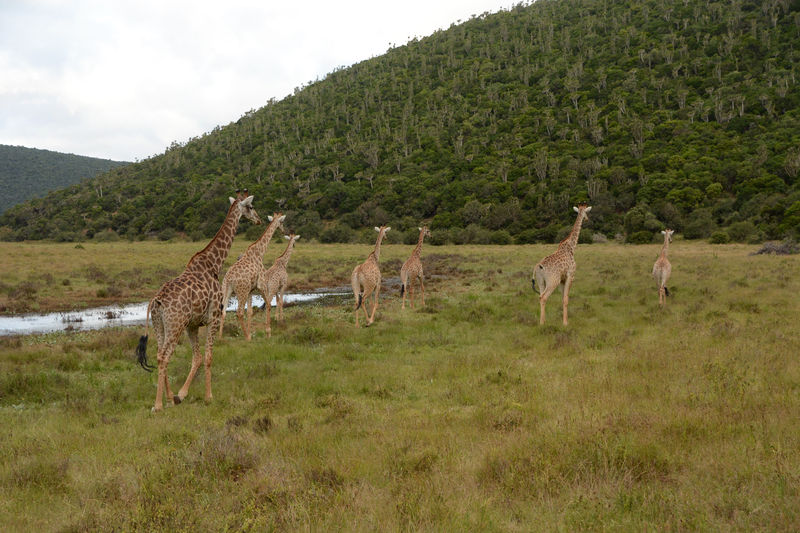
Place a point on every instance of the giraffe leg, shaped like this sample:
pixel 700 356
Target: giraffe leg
pixel 403 282
pixel 565 298
pixel 225 297
pixel 267 308
pixel 196 360
pixel 240 303
pixel 208 357
pixel 411 293
pixel 543 300
pixel 374 304
pixel 422 290
pixel 164 353
pixel 249 332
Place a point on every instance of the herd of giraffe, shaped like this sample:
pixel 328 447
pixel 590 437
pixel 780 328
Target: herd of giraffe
pixel 197 298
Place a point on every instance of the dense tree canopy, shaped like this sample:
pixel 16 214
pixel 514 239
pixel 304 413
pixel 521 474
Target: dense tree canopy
pixel 680 113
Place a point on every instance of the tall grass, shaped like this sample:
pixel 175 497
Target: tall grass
pixel 462 415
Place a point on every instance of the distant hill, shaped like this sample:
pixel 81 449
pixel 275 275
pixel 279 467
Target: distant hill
pixel 27 173
pixel 660 113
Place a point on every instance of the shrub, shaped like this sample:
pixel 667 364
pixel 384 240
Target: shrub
pixel 640 237
pixel 336 233
pixel 720 237
pixel 742 231
pixel 500 237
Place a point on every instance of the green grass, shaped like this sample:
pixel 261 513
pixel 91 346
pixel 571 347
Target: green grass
pixel 463 415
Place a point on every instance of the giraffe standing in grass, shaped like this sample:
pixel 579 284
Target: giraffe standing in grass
pixel 273 281
pixel 662 268
pixel 241 278
pixel 191 300
pixel 366 279
pixel 559 268
pixel 412 269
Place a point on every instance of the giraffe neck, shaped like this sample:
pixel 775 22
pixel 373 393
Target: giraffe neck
pixel 572 239
pixel 665 247
pixel 259 248
pixel 418 249
pixel 377 252
pixel 211 258
pixel 283 260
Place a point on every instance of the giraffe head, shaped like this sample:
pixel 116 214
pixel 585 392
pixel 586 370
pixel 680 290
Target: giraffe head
pixel 292 238
pixel 667 233
pixel 277 218
pixel 424 231
pixel 382 231
pixel 582 210
pixel 244 204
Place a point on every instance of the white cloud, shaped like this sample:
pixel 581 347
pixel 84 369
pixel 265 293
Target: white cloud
pixel 123 80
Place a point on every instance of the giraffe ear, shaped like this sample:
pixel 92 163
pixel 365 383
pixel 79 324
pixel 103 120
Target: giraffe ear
pixel 663 232
pixel 588 209
pixel 419 228
pixel 248 201
pixel 387 229
pixel 283 217
pixel 576 209
pixel 232 199
pixel 377 229
pixel 286 237
pixel 269 217
pixel 296 237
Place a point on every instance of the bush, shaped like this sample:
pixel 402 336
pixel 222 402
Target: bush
pixel 337 233
pixel 500 237
pixel 640 237
pixel 167 234
pixel 742 231
pixel 720 237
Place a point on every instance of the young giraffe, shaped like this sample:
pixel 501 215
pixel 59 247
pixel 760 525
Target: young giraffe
pixel 412 269
pixel 366 279
pixel 662 268
pixel 241 278
pixel 559 268
pixel 191 300
pixel 272 281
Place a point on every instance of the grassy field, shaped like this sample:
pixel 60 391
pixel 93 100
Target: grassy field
pixel 464 415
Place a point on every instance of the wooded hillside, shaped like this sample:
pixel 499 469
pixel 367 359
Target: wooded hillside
pixel 27 173
pixel 679 113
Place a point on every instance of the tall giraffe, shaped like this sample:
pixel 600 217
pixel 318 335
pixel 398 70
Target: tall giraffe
pixel 272 281
pixel 559 268
pixel 412 269
pixel 662 268
pixel 191 300
pixel 241 278
pixel 366 279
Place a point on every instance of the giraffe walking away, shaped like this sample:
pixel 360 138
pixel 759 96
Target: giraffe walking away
pixel 559 268
pixel 191 300
pixel 662 268
pixel 412 269
pixel 366 279
pixel 273 281
pixel 241 278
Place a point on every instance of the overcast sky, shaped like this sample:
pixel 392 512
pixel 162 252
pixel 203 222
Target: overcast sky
pixel 122 80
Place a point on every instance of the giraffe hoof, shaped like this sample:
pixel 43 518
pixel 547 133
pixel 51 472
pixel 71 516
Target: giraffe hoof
pixel 176 399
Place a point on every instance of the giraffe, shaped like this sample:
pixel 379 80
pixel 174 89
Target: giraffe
pixel 559 268
pixel 662 268
pixel 366 279
pixel 242 276
pixel 412 269
pixel 191 300
pixel 272 281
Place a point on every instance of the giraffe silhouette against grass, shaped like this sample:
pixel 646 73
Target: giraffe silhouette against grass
pixel 559 268
pixel 273 281
pixel 412 270
pixel 366 279
pixel 191 300
pixel 662 268
pixel 241 278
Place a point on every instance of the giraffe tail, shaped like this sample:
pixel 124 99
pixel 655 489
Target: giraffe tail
pixel 141 349
pixel 402 289
pixel 666 291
